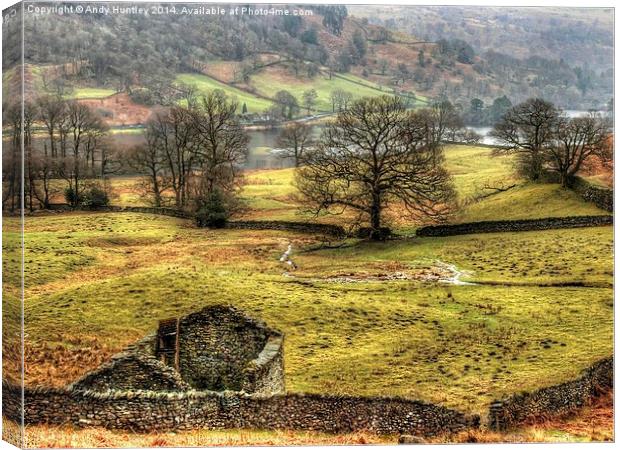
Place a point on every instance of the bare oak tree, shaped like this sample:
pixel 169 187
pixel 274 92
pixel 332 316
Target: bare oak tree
pixel 373 155
pixel 148 161
pixel 526 130
pixel 576 141
pixel 223 146
pixel 295 139
pixel 52 112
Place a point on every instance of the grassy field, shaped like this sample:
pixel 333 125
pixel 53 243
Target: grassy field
pixel 362 318
pixel 268 82
pixel 270 194
pixel 206 84
pixel 93 286
pixel 87 92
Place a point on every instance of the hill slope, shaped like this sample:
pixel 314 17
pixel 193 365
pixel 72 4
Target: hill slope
pixel 97 54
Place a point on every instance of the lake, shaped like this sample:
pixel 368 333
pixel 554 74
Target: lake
pixel 262 143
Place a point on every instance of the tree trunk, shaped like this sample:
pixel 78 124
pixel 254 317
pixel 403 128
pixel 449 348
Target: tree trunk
pixel 375 217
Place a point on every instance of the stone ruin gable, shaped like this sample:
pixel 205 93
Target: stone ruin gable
pixel 265 374
pixel 130 371
pixel 220 348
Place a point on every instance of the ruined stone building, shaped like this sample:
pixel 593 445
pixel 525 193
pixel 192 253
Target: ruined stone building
pixel 216 349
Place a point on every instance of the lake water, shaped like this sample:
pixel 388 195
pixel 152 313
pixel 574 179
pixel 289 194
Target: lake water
pixel 262 143
pixel 488 140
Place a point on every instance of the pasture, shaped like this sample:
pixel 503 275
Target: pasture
pixel 88 92
pixel 360 318
pixel 97 281
pixel 205 84
pixel 270 194
pixel 267 82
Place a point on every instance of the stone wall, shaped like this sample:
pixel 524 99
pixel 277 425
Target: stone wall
pixel 265 374
pixel 132 371
pixel 496 226
pixel 217 344
pixel 302 227
pixel 142 411
pixel 553 400
pixel 601 196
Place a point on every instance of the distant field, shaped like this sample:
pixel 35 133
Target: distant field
pixel 85 92
pixel 271 194
pixel 530 201
pixel 206 84
pixel 269 82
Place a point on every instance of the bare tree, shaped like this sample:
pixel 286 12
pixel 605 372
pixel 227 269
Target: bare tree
pixel 526 130
pixel 295 139
pixel 174 135
pixel 11 160
pixel 52 112
pixel 448 122
pixel 149 161
pixel 82 122
pixel 223 145
pixel 340 99
pixel 576 141
pixel 309 99
pixel 373 155
pixel 42 172
pixel 29 114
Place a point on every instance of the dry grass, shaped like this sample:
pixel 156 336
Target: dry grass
pixel 43 436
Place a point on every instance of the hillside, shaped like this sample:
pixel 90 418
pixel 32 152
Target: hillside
pixel 332 49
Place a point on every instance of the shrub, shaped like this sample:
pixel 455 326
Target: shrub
pixel 71 196
pixel 94 197
pixel 214 213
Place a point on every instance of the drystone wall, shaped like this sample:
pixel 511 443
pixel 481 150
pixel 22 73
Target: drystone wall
pixel 217 344
pixel 142 411
pixel 553 400
pixel 302 227
pixel 265 374
pixel 132 371
pixel 600 196
pixel 497 226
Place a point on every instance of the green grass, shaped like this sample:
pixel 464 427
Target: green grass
pixel 93 280
pixel 266 85
pixel 386 89
pixel 474 167
pixel 271 195
pixel 87 92
pixel 127 131
pixel 93 285
pixel 530 201
pixel 206 84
